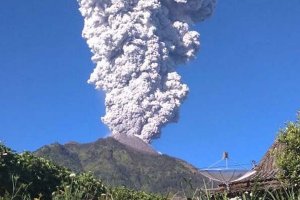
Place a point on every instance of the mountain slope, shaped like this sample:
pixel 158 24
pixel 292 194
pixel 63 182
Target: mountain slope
pixel 118 164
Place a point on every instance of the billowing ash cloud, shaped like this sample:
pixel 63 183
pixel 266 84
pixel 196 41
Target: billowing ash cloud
pixel 136 44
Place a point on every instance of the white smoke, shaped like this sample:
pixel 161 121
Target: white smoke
pixel 136 44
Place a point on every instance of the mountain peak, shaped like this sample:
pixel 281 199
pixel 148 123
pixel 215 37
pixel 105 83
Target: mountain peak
pixel 135 143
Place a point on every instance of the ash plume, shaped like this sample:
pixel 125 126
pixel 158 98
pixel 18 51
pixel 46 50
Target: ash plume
pixel 136 45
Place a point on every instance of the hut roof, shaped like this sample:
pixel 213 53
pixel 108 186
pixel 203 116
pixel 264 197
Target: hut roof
pixel 265 176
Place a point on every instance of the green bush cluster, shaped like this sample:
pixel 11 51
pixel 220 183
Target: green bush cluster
pixel 288 157
pixel 25 174
pixel 122 193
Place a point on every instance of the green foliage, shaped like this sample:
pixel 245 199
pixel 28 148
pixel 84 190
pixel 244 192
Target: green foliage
pixel 122 193
pixel 288 157
pixel 25 174
pixel 78 187
pixel 38 174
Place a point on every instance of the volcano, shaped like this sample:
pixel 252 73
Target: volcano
pixel 126 161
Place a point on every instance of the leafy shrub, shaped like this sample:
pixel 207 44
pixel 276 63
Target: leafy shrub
pixel 288 158
pixel 122 193
pixel 78 187
pixel 39 178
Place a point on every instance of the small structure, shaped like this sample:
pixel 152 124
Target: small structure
pixel 225 174
pixel 264 178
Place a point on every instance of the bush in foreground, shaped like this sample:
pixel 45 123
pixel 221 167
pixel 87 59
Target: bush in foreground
pixel 288 158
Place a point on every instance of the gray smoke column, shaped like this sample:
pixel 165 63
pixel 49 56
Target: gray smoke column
pixel 136 45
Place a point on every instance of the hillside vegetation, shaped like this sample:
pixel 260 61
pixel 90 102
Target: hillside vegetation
pixel 120 165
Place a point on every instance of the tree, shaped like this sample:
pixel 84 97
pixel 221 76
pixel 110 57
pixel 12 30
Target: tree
pixel 288 157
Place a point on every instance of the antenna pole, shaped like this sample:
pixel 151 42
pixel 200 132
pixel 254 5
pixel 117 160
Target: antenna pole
pixel 226 157
pixel 226 163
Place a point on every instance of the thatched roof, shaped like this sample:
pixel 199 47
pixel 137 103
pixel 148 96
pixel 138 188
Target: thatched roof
pixel 265 176
pixel 267 168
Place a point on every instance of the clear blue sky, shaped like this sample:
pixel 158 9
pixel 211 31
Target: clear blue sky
pixel 244 84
